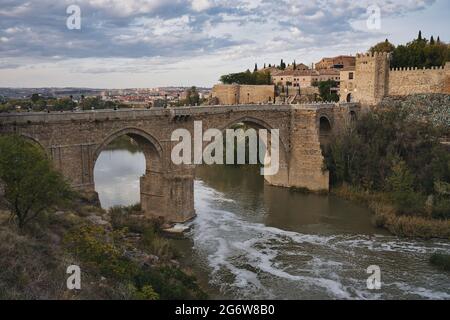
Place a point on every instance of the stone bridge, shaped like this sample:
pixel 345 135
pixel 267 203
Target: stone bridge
pixel 74 140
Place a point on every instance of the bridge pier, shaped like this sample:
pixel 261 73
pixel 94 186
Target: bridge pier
pixel 168 195
pixel 306 163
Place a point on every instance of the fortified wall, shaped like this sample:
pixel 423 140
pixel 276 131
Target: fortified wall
pixel 404 81
pixel 226 94
pixel 373 80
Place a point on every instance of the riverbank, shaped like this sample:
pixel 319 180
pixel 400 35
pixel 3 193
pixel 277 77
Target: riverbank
pixel 121 255
pixel 386 216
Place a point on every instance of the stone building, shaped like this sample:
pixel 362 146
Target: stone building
pixel 347 84
pixel 304 78
pixel 225 94
pixel 338 62
pixel 372 79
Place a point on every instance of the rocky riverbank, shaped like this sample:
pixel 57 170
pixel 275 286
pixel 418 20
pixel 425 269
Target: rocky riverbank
pixel 121 254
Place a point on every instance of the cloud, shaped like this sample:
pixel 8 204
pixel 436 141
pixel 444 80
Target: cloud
pixel 200 5
pixel 34 31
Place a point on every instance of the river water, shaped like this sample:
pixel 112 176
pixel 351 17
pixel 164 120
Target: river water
pixel 254 241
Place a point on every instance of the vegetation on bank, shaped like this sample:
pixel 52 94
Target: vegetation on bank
pixel 121 253
pixel 442 261
pixel 398 165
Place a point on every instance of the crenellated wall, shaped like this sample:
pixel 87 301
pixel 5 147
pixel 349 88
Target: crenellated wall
pixel 405 81
pixel 375 80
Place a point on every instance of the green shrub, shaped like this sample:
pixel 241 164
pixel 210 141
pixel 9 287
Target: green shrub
pixel 441 209
pixel 170 283
pixel 401 186
pixel 441 261
pixel 145 293
pixel 97 249
pixel 156 244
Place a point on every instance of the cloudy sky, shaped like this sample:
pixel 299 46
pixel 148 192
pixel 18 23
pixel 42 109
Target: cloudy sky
pixel 147 43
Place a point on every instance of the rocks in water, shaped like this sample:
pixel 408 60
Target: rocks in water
pixel 177 230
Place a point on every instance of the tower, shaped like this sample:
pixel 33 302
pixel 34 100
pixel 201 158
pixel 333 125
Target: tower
pixel 371 77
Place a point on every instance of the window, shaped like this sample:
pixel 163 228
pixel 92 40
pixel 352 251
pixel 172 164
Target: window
pixel 350 76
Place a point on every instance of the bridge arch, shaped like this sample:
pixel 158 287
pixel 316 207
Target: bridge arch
pixel 35 142
pixel 148 143
pixel 152 183
pixel 353 116
pixel 325 130
pixel 282 177
pixel 349 98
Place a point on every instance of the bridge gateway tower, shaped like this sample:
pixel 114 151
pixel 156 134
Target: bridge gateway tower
pixel 371 77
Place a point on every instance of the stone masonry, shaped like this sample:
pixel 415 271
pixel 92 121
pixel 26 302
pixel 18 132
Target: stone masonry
pixel 243 94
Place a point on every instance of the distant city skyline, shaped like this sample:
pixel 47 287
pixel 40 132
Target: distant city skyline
pixel 157 43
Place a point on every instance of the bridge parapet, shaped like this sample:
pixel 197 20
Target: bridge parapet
pixel 127 114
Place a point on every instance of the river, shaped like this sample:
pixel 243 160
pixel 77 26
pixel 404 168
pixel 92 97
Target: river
pixel 254 241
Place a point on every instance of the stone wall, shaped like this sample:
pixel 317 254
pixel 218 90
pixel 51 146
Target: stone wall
pixel 407 81
pixel 243 94
pixel 374 80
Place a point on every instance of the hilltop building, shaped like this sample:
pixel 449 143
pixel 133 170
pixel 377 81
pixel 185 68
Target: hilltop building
pixel 339 62
pixel 304 78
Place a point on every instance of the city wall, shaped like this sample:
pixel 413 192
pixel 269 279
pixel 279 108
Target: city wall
pixel 243 94
pixel 405 81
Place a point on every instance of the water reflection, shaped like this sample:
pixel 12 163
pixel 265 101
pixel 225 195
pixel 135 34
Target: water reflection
pixel 116 177
pixel 282 208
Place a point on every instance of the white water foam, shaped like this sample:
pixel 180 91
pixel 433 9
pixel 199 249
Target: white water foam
pixel 251 260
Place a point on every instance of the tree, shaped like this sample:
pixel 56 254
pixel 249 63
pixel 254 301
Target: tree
pixel 192 96
pixel 401 187
pixel 256 67
pixel 419 37
pixel 31 185
pixel 384 46
pixel 326 92
pixel 421 53
pixel 35 97
pixel 255 78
